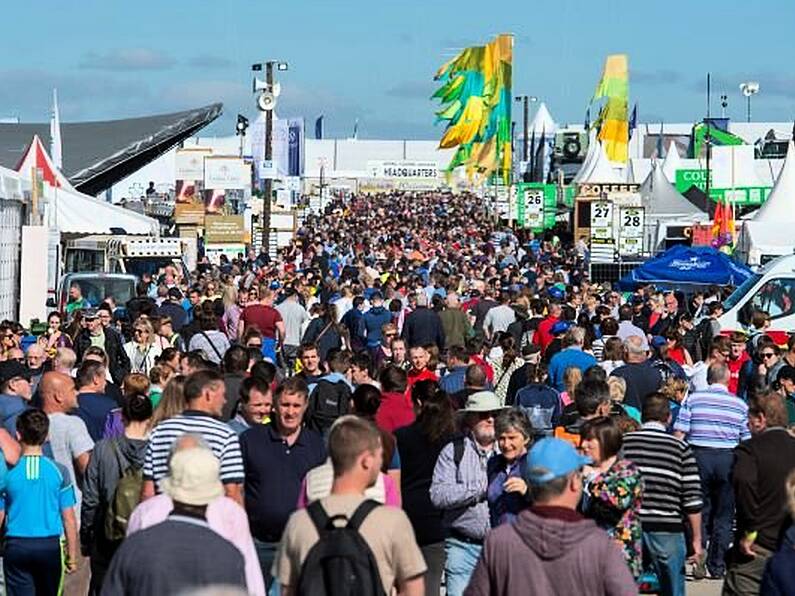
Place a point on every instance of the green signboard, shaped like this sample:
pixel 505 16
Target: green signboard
pixel 741 195
pixel 536 205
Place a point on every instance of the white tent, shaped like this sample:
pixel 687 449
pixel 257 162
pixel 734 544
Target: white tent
pixel 769 232
pixel 671 163
pixel 780 204
pixel 542 122
pixel 597 167
pixel 661 199
pixel 72 212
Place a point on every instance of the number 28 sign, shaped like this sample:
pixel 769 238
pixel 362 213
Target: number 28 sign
pixel 631 221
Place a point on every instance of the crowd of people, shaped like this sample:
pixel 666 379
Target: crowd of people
pixel 410 398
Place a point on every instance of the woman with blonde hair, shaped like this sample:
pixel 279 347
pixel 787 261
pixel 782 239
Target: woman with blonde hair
pixel 172 403
pixel 143 349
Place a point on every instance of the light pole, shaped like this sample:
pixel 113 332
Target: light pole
pixel 749 89
pixel 266 102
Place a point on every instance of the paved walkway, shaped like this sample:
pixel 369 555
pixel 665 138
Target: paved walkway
pixel 705 587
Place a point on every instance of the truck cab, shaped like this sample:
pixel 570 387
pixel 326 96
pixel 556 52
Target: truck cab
pixel 771 289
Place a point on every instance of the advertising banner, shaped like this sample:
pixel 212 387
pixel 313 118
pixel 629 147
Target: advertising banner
pixel 224 229
pixel 740 195
pixel 189 214
pixel 189 163
pixel 226 173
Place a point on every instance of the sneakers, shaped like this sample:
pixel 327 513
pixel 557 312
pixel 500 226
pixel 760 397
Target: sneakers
pixel 700 568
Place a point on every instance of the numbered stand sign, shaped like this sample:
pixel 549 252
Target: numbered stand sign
pixel 631 220
pixel 601 219
pixel 534 208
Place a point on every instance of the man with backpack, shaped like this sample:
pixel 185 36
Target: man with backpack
pixel 459 488
pixel 343 543
pixel 112 488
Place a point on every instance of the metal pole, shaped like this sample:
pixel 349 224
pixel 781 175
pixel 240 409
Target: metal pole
pixel 748 111
pixel 526 109
pixel 708 139
pixel 268 191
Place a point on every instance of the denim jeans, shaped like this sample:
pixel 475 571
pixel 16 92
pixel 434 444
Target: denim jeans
pixel 434 559
pixel 266 553
pixel 461 560
pixel 667 553
pixel 715 466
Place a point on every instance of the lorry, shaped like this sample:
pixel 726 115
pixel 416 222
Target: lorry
pixel 771 289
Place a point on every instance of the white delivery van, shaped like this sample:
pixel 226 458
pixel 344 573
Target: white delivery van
pixel 771 289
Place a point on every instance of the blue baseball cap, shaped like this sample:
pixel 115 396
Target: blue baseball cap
pixel 552 458
pixel 560 327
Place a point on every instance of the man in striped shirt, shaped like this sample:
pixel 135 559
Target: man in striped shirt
pixel 671 490
pixel 713 422
pixel 205 395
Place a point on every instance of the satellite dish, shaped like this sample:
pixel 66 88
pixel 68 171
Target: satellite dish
pixel 266 101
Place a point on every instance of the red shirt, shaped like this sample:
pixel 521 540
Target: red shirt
pixel 263 318
pixel 734 368
pixel 543 335
pixel 394 412
pixel 677 355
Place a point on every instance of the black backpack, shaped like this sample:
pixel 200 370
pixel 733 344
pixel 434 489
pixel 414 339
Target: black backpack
pixel 327 402
pixel 341 563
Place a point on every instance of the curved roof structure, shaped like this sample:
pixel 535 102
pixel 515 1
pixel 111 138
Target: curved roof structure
pixel 98 154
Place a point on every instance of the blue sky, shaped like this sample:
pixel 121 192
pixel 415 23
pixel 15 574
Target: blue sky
pixel 375 60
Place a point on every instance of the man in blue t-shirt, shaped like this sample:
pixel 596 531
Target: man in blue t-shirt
pixel 38 503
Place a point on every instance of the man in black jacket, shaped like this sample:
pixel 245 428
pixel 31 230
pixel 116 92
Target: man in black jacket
pixel 95 334
pixel 761 465
pixel 423 326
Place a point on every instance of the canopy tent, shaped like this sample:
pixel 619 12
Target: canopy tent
pixel 72 212
pixel 687 266
pixel 780 204
pixel 542 123
pixel 661 199
pixel 98 154
pixel 596 167
pixel 671 163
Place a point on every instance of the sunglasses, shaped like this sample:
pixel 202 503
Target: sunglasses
pixel 767 355
pixel 140 331
pixel 390 334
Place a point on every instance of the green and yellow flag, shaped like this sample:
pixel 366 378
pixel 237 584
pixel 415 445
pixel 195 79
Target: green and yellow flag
pixel 475 94
pixel 613 120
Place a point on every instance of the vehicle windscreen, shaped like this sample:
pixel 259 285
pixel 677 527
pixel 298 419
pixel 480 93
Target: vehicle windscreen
pixel 150 265
pixel 96 289
pixel 741 291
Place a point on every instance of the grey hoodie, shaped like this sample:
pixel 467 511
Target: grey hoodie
pixel 544 555
pixel 102 475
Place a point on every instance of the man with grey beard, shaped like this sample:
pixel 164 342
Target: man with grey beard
pixel 459 486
